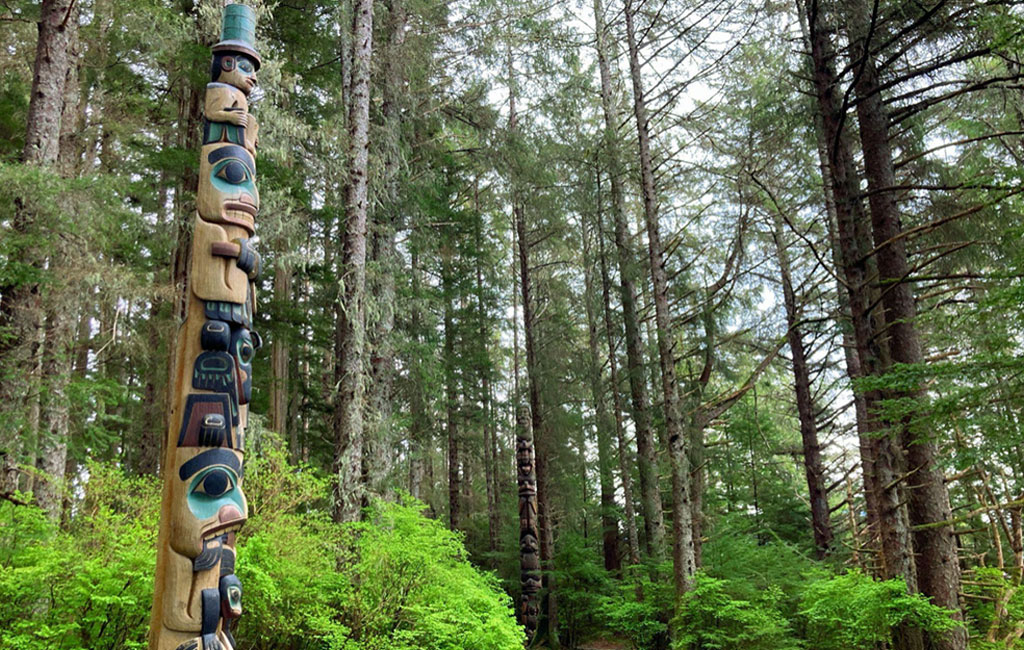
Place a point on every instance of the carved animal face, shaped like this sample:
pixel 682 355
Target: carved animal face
pixel 237 70
pixel 243 350
pixel 207 498
pixel 528 544
pixel 227 186
pixel 230 597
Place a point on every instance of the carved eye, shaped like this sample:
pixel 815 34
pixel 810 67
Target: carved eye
pixel 245 352
pixel 233 172
pixel 216 483
pixel 235 596
pixel 228 63
pixel 245 66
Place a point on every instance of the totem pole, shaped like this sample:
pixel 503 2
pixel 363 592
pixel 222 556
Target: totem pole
pixel 197 595
pixel 529 546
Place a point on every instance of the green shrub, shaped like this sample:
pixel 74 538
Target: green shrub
pixel 90 586
pixel 398 580
pixel 854 611
pixel 642 622
pixel 413 588
pixel 710 617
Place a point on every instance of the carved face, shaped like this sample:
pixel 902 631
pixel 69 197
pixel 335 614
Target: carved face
pixel 235 69
pixel 227 186
pixel 528 544
pixel 243 350
pixel 230 597
pixel 208 500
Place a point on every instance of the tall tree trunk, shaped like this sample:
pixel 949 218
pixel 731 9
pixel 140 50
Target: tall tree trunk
pixel 350 330
pixel 938 568
pixel 813 469
pixel 280 355
pixel 884 460
pixel 419 427
pixel 603 422
pixel 451 394
pixel 484 372
pixel 377 451
pixel 59 347
pixel 21 308
pixel 683 562
pixel 650 495
pixel 624 457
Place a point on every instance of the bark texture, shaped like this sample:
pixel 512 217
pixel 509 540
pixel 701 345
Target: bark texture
pixel 350 335
pixel 813 469
pixel 683 559
pixel 650 495
pixel 602 422
pixel 938 569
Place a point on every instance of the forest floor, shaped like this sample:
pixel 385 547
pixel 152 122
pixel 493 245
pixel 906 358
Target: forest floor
pixel 604 644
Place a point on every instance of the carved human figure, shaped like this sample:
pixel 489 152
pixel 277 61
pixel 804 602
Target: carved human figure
pixel 232 79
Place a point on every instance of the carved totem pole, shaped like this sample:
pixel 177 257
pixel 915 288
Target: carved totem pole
pixel 197 595
pixel 529 545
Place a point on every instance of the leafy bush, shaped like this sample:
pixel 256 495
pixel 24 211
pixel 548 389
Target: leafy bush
pixel 398 580
pixel 582 585
pixel 711 617
pixel 90 586
pixel 413 588
pixel 854 611
pixel 642 622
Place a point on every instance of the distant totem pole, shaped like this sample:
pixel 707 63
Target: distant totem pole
pixel 529 544
pixel 197 595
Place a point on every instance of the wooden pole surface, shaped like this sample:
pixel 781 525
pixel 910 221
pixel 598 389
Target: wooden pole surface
pixel 197 595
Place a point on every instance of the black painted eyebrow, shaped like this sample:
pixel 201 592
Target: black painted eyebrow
pixel 232 151
pixel 208 458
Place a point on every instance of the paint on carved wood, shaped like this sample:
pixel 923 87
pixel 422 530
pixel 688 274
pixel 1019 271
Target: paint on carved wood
pixel 197 595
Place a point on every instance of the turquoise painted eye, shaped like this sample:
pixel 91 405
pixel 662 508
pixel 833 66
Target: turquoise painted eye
pixel 245 351
pixel 212 489
pixel 245 65
pixel 215 483
pixel 233 172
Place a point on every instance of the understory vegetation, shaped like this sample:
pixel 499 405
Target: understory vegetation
pixel 399 580
pixel 698 322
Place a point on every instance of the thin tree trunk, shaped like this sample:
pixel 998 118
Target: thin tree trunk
pixel 280 356
pixel 602 421
pixel 650 495
pixel 419 428
pixel 683 563
pixel 813 469
pixel 451 394
pixel 625 460
pixel 484 371
pixel 938 569
pixel 350 331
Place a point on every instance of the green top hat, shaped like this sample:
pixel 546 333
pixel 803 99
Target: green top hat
pixel 238 33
